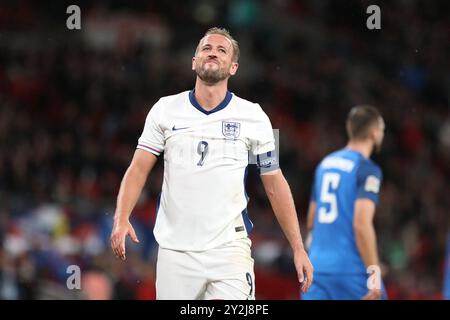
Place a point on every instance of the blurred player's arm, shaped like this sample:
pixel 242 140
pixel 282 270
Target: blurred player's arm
pixel 311 215
pixel 310 218
pixel 365 237
pixel 280 197
pixel 129 192
pixel 310 223
pixel 365 232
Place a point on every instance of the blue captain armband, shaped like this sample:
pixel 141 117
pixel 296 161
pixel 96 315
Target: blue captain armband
pixel 267 162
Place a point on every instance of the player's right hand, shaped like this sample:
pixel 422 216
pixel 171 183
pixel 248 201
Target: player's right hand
pixel 118 235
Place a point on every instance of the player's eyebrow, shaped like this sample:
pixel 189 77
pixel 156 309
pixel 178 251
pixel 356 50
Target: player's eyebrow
pixel 208 45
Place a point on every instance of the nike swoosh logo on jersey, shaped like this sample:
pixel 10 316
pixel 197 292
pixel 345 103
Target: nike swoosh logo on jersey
pixel 175 129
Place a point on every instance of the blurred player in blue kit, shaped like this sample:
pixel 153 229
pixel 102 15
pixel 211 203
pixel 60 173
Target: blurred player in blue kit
pixel 343 248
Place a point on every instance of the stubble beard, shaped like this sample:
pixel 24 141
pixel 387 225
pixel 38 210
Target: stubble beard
pixel 378 147
pixel 210 76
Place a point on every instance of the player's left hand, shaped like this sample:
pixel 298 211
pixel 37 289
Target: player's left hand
pixel 303 267
pixel 374 294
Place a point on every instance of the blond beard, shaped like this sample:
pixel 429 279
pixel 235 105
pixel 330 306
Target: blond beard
pixel 211 76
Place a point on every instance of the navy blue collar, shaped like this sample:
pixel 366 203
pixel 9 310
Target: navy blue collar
pixel 221 105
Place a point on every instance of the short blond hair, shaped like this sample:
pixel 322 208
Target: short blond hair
pixel 224 32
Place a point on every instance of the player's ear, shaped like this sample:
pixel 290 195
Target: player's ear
pixel 193 63
pixel 234 67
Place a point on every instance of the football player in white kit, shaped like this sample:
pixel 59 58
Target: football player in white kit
pixel 202 225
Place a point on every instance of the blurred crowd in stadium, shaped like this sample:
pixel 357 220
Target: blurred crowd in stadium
pixel 73 103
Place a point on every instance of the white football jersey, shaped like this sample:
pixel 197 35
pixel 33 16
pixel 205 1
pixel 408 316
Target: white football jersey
pixel 206 153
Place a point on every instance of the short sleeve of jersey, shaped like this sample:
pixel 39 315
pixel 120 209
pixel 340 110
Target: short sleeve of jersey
pixel 369 178
pixel 152 138
pixel 263 140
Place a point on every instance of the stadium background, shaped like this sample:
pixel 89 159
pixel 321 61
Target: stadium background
pixel 73 103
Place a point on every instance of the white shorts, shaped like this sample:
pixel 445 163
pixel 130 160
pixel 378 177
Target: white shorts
pixel 225 273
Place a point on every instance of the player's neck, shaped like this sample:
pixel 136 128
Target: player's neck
pixel 363 147
pixel 210 96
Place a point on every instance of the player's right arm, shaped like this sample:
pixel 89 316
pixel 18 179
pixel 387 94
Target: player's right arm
pixel 129 192
pixel 149 147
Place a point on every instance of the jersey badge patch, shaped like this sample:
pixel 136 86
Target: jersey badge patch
pixel 231 130
pixel 372 184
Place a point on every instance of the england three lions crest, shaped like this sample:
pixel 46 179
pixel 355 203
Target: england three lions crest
pixel 231 130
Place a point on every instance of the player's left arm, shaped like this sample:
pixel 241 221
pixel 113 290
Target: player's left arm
pixel 279 194
pixel 365 235
pixel 368 188
pixel 280 197
pixel 366 241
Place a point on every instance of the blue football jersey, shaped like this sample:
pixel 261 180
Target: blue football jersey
pixel 447 271
pixel 340 179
